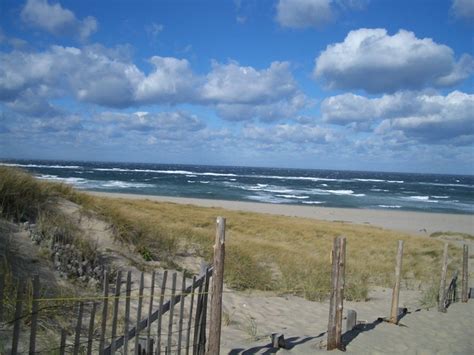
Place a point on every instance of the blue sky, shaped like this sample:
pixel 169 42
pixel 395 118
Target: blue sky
pixel 324 84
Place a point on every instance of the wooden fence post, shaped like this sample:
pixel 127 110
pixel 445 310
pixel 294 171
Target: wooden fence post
pixel 171 315
pixel 128 291
pixel 337 294
pixel 190 320
pixel 160 315
pixel 2 288
pixel 150 311
pixel 442 286
pixel 396 287
pixel 465 273
pixel 62 343
pixel 77 338
pixel 118 283
pixel 216 289
pixel 181 311
pixel 90 334
pixel 34 313
pixel 17 320
pixel 104 312
pixel 139 312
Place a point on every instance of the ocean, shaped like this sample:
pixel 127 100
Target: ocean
pixel 324 188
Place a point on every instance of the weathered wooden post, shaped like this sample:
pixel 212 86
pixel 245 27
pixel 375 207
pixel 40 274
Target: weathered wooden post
pixel 442 285
pixel 216 289
pixel 128 290
pixel 396 287
pixel 77 338
pixel 465 273
pixel 17 319
pixel 90 334
pixel 34 313
pixel 105 303
pixel 62 342
pixel 2 287
pixel 337 294
pixel 150 311
pixel 160 315
pixel 118 283
pixel 139 312
pixel 171 314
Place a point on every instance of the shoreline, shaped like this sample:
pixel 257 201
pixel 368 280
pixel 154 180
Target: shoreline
pixel 417 223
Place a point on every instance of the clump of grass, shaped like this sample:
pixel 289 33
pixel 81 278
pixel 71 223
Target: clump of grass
pixel 457 235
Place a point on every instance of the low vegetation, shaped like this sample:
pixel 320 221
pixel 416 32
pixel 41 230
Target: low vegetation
pixel 286 255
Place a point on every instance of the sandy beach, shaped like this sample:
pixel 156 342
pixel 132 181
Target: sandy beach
pixel 405 221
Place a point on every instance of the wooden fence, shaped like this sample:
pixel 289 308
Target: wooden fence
pixel 169 314
pixel 173 321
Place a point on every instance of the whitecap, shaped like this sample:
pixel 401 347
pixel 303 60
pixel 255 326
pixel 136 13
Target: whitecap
pixel 293 196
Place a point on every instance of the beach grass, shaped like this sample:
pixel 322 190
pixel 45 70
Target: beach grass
pixel 286 255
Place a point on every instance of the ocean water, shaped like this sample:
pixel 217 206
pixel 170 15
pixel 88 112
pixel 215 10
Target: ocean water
pixel 324 188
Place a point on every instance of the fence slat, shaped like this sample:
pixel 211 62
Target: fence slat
pixel 77 338
pixel 118 283
pixel 139 312
pixel 104 313
pixel 91 329
pixel 62 343
pixel 34 313
pixel 150 311
pixel 465 273
pixel 2 292
pixel 396 287
pixel 181 311
pixel 198 319
pixel 442 286
pixel 190 320
pixel 127 312
pixel 170 319
pixel 166 306
pixel 216 289
pixel 159 321
pixel 17 319
pixel 203 318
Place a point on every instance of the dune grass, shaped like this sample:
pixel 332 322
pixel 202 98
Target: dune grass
pixel 266 252
pixel 277 253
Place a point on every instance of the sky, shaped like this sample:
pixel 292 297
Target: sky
pixel 322 84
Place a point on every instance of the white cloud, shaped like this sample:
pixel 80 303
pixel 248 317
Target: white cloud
pixel 55 19
pixel 313 13
pixel 304 13
pixel 108 77
pixel 463 9
pixel 376 62
pixel 242 93
pixel 429 118
pixel 171 80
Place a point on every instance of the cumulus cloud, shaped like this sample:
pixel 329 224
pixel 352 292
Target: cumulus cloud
pixel 312 13
pixel 55 19
pixel 463 9
pixel 429 118
pixel 374 61
pixel 242 92
pixel 108 77
pixel 171 80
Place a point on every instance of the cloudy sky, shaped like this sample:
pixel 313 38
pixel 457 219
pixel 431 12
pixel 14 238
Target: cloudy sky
pixel 325 84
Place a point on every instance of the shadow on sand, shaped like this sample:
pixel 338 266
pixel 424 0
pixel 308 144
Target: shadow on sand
pixel 268 349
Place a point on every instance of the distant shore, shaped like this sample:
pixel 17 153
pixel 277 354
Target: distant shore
pixel 418 223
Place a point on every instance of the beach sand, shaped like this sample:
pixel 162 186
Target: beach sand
pixel 405 221
pixel 250 317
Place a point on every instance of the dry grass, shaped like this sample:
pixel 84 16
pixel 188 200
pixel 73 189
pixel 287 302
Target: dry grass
pixel 278 253
pixel 267 252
